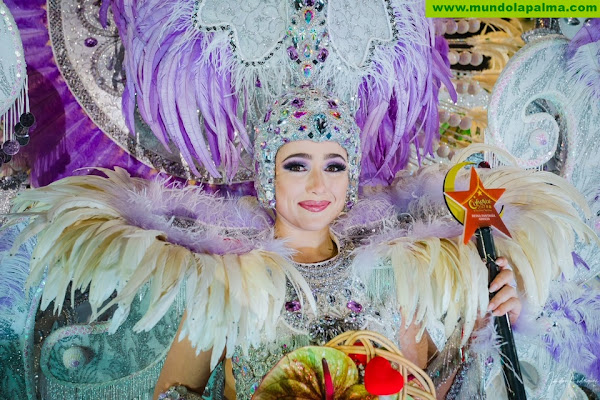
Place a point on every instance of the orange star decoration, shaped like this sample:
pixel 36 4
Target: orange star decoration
pixel 478 206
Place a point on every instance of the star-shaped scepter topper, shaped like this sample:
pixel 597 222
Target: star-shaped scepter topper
pixel 478 205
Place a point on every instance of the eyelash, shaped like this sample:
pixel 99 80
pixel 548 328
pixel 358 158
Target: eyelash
pixel 336 167
pixel 300 167
pixel 294 166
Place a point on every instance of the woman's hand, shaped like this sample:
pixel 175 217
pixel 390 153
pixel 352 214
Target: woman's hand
pixel 506 299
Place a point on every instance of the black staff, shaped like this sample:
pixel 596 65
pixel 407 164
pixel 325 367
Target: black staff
pixel 508 350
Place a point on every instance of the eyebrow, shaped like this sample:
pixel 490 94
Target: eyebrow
pixel 309 157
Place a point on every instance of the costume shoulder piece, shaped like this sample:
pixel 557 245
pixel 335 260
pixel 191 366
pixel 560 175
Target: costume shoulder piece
pixel 117 233
pixel 436 277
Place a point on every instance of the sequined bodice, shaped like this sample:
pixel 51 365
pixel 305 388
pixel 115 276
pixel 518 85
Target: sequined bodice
pixel 342 304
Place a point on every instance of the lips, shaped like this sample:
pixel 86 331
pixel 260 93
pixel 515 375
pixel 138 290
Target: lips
pixel 314 206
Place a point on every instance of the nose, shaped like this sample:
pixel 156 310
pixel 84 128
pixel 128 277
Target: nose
pixel 316 182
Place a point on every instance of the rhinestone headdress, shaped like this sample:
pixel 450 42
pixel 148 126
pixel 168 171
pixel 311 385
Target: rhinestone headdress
pixel 305 114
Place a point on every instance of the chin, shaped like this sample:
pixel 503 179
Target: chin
pixel 316 221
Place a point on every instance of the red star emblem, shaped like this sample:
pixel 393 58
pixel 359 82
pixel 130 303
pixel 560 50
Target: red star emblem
pixel 479 205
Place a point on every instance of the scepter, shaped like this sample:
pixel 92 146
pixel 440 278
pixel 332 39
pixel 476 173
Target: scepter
pixel 475 209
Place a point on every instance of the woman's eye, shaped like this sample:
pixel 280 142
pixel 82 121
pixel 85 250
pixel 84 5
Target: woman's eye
pixel 295 167
pixel 335 167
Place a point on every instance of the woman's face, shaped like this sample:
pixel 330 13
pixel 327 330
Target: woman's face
pixel 311 181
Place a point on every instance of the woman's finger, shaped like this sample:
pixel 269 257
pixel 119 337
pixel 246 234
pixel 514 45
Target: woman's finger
pixel 503 295
pixel 512 307
pixel 504 278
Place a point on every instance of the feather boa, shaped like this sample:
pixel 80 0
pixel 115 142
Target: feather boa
pixel 117 233
pixel 91 232
pixel 541 210
pixel 570 326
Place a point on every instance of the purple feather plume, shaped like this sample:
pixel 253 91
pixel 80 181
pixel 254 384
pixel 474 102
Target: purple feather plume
pixel 173 78
pixel 571 320
pixel 589 33
pixel 169 79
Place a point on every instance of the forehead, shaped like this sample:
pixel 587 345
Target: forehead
pixel 317 150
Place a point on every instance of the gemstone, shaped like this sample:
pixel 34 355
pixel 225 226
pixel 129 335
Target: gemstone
pixel 484 164
pixel 307 70
pixel 292 306
pixel 298 4
pixel 11 147
pixel 332 104
pixel 309 3
pixel 335 114
pixel 307 51
pixel 23 140
pixel 277 130
pixel 313 34
pixel 268 116
pixel 284 112
pixel 324 41
pixel 299 114
pixel 308 16
pixel 320 123
pixel 90 42
pixel 354 306
pixel 27 119
pixel 298 103
pixel 258 84
pixel 21 130
pixel 322 56
pixel 310 135
pixel 292 53
pixel 320 5
pixel 302 128
pixel 263 145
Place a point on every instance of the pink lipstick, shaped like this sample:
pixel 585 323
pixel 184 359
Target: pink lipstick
pixel 314 206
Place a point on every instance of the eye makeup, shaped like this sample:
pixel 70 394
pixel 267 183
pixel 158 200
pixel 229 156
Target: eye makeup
pixel 295 165
pixel 335 167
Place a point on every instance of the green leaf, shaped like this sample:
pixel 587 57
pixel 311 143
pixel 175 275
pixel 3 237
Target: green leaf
pixel 300 375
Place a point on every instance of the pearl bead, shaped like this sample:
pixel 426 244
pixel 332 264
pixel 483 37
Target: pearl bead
pixel 474 25
pixel 476 59
pixel 451 27
pixel 453 57
pixel 465 123
pixel 461 87
pixel 462 26
pixel 443 115
pixel 464 58
pixel 441 28
pixel 474 88
pixel 443 150
pixel 454 120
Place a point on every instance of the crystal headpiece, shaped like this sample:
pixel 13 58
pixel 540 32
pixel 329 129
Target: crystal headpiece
pixel 305 114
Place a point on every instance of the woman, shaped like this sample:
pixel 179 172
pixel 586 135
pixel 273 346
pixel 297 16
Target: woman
pixel 315 142
pixel 394 263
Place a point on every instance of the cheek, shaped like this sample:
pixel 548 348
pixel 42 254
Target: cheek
pixel 339 187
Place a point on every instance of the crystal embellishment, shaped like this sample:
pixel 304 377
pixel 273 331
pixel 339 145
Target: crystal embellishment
pixel 354 306
pixel 293 306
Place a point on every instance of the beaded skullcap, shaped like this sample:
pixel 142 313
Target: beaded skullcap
pixel 305 114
